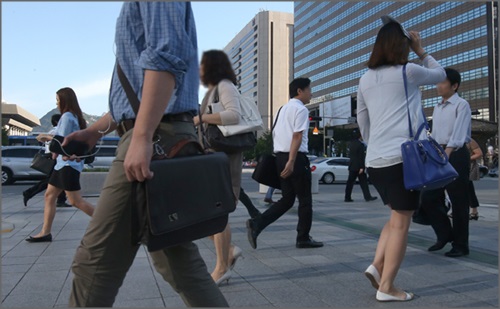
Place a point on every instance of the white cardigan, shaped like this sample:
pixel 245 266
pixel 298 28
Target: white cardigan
pixel 382 114
pixel 229 97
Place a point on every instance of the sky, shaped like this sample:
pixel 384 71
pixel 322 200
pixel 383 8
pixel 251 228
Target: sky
pixel 50 45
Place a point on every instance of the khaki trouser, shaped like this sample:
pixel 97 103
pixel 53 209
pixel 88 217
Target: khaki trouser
pixel 106 251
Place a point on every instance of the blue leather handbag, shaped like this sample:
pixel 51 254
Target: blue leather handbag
pixel 425 163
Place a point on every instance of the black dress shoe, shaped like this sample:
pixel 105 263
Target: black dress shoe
pixel 438 245
pixel 311 243
pixel 348 200
pixel 252 233
pixel 46 238
pixel 456 253
pixel 371 199
pixel 25 199
pixel 63 205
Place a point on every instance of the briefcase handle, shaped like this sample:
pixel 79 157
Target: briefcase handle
pixel 174 151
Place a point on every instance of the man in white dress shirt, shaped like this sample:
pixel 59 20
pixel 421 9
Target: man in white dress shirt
pixel 290 138
pixel 451 128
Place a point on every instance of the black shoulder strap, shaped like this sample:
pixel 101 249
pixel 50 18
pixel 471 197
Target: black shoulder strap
pixel 276 121
pixel 132 97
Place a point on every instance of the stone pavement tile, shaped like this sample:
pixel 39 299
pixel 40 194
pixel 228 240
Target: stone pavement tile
pixel 250 298
pixel 9 281
pixel 445 298
pixel 269 281
pixel 236 284
pixel 25 249
pixel 42 282
pixel 38 299
pixel 63 297
pixel 141 303
pixel 18 268
pixel 51 266
pixel 281 262
pixel 55 252
pixel 18 260
pixel 291 297
pixel 313 260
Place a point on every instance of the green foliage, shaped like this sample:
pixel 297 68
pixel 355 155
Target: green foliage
pixel 264 146
pixel 5 137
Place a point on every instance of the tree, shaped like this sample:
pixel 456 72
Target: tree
pixel 264 146
pixel 5 137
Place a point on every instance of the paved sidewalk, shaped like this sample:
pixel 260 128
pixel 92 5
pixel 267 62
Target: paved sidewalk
pixel 276 274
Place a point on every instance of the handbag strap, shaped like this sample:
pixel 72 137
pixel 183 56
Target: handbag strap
pixel 129 91
pixel 423 125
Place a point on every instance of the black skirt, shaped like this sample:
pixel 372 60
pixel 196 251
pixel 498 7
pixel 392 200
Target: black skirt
pixel 67 179
pixel 389 183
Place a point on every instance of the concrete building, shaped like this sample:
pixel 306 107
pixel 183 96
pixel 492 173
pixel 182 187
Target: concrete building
pixel 333 41
pixel 262 57
pixel 18 121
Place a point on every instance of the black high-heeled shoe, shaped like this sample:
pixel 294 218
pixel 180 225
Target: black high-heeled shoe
pixel 474 217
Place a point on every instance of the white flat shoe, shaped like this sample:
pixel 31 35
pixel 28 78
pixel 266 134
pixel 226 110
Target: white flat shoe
pixel 237 253
pixel 373 275
pixel 383 297
pixel 224 277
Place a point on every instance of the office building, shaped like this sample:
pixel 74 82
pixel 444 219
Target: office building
pixel 333 42
pixel 262 57
pixel 17 121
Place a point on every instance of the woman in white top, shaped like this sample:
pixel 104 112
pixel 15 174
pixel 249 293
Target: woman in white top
pixel 216 72
pixel 382 119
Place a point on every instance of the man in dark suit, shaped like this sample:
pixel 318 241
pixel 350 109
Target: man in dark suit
pixel 357 153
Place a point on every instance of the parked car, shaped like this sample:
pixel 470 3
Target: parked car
pixel 103 158
pixel 16 162
pixel 331 170
pixel 312 157
pixel 493 172
pixel 249 164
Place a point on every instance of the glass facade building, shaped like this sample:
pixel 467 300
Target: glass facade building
pixel 333 41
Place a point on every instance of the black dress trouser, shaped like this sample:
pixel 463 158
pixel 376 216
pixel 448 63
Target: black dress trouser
pixel 459 197
pixel 363 182
pixel 298 185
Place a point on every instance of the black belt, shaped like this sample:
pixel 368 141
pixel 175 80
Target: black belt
pixel 299 152
pixel 128 124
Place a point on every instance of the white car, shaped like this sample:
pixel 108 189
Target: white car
pixel 16 162
pixel 331 170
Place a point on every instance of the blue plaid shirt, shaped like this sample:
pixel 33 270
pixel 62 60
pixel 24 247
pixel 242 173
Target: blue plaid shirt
pixel 158 36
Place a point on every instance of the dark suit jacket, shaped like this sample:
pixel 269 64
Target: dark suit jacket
pixel 357 154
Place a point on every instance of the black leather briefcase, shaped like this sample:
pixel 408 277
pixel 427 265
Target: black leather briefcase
pixel 266 172
pixel 188 198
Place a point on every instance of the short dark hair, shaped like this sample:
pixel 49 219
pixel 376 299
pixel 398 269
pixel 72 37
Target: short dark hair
pixel 391 47
pixel 55 119
pixel 453 76
pixel 298 83
pixel 216 67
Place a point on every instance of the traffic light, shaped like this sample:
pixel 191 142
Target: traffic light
pixel 315 118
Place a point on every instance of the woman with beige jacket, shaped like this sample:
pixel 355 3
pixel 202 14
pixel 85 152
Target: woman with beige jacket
pixel 216 73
